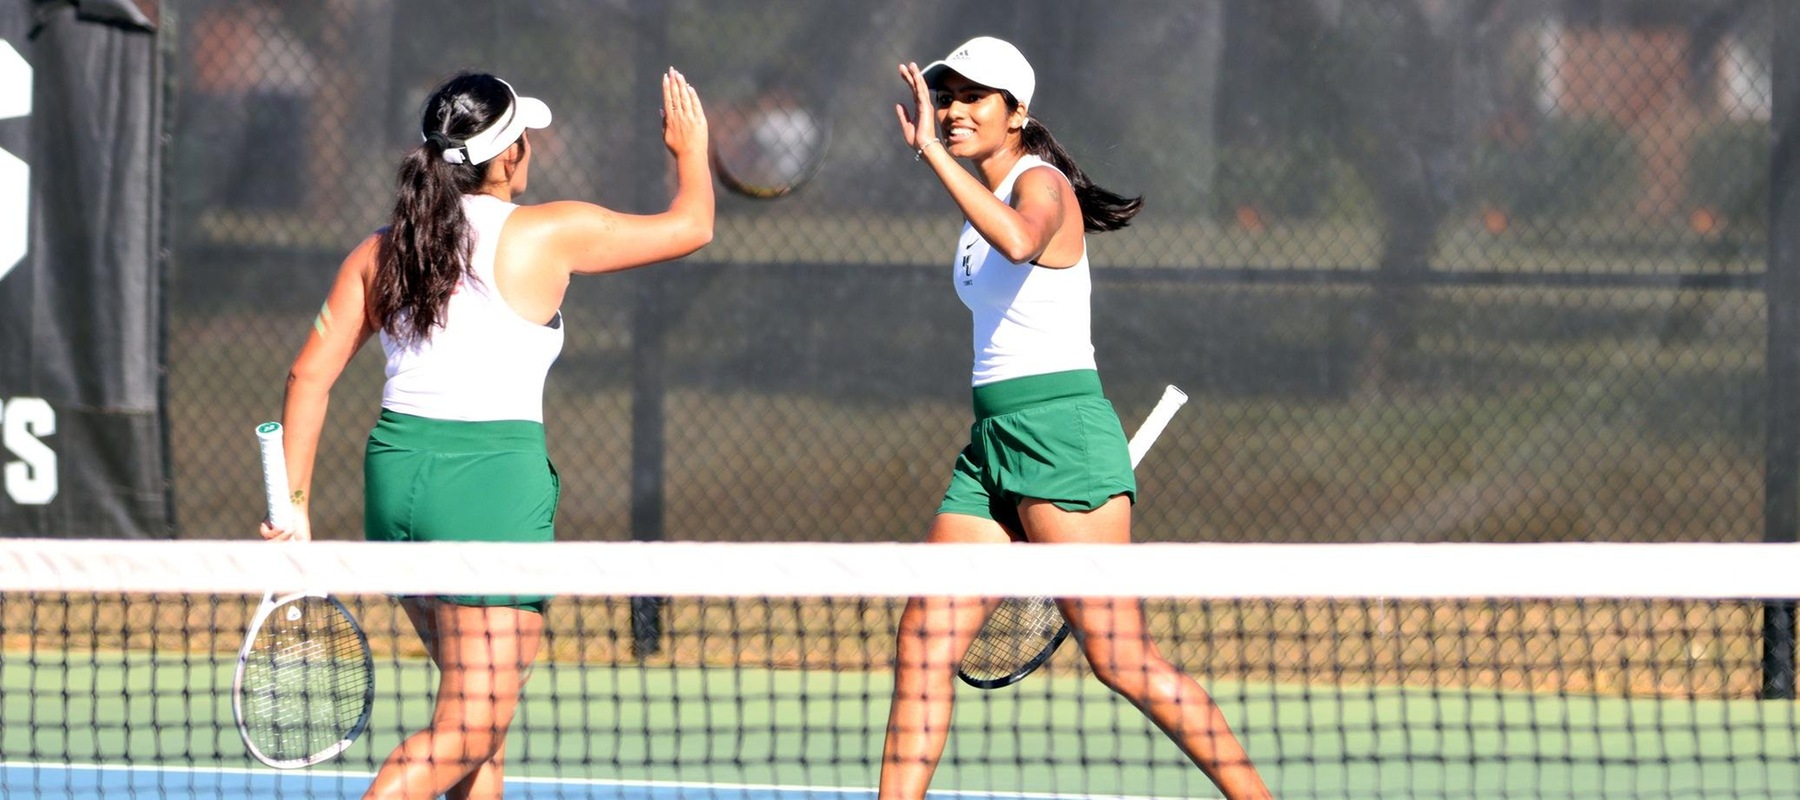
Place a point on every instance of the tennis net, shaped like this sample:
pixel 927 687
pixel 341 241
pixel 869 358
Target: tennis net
pixel 744 671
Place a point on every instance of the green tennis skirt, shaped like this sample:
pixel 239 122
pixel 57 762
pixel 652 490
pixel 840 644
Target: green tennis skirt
pixel 432 480
pixel 1051 437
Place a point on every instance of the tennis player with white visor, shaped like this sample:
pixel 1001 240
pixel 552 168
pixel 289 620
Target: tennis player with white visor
pixel 1047 460
pixel 465 289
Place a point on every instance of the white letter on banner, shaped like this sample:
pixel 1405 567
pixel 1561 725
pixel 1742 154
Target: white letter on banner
pixel 15 175
pixel 31 480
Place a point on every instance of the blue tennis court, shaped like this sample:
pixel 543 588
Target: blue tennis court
pixel 51 780
pixel 22 780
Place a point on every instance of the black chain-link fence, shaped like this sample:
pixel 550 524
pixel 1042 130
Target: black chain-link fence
pixel 1467 271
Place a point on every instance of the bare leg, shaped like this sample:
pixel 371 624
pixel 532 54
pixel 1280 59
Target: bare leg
pixel 934 633
pixel 483 656
pixel 486 781
pixel 1124 658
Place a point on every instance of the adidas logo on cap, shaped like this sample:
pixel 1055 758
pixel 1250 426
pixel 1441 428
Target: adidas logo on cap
pixel 991 62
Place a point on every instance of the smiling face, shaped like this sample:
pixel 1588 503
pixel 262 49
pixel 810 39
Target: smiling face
pixel 972 119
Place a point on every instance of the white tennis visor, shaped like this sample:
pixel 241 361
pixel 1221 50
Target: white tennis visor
pixel 526 112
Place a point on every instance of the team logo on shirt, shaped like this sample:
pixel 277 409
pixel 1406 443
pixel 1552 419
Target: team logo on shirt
pixel 968 242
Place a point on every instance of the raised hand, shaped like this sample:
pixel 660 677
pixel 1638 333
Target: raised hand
pixel 684 121
pixel 918 125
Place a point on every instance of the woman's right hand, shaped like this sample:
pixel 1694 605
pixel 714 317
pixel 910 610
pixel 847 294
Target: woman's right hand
pixel 300 532
pixel 684 120
pixel 919 124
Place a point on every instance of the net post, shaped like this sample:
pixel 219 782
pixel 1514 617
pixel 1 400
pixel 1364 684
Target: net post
pixel 1781 476
pixel 647 362
pixel 1778 650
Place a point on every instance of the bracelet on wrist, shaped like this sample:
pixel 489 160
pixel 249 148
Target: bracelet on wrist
pixel 920 153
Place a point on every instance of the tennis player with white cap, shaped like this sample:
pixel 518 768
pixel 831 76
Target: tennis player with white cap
pixel 464 288
pixel 1047 459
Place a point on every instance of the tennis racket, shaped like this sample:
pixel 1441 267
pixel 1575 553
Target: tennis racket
pixel 305 678
pixel 772 148
pixel 1023 632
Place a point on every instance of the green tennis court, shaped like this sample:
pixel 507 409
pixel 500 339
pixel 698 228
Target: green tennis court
pixel 1049 735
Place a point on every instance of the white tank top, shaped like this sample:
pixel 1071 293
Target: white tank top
pixel 1029 320
pixel 486 362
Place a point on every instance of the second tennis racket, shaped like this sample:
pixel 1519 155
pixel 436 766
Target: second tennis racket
pixel 1022 633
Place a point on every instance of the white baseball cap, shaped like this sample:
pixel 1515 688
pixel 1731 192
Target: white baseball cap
pixel 991 62
pixel 526 112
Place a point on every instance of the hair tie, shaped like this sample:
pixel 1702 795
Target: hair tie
pixel 456 151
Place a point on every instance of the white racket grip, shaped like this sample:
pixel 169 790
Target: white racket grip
pixel 1171 401
pixel 275 481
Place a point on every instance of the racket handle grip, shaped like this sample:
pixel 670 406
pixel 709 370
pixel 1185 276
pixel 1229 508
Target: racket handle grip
pixel 275 481
pixel 1171 401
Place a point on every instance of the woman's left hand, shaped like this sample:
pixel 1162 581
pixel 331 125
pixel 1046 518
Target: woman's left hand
pixel 919 126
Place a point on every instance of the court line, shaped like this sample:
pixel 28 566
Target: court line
pixel 677 786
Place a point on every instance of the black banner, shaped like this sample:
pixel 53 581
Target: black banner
pixel 82 434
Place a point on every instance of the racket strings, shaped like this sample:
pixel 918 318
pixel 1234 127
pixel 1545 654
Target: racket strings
pixel 769 152
pixel 1015 634
pixel 306 680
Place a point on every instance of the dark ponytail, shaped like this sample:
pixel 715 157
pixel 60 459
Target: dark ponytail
pixel 1101 209
pixel 426 247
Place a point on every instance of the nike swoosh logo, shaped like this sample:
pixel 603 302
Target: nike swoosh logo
pixel 969 245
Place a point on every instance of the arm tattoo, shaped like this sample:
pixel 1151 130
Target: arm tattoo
pixel 322 323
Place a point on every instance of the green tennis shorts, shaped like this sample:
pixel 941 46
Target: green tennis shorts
pixel 1050 437
pixel 432 480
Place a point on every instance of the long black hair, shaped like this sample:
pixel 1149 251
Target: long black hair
pixel 426 247
pixel 1101 209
